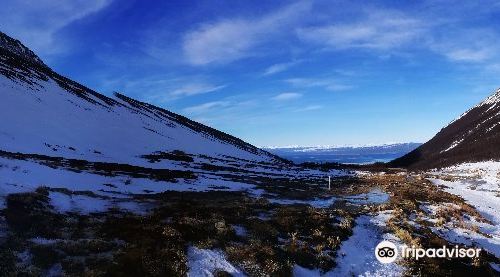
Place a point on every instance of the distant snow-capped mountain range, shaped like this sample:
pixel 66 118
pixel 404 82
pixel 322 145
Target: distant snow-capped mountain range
pixel 358 154
pixel 306 148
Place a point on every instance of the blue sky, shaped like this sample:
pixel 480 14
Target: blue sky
pixel 278 72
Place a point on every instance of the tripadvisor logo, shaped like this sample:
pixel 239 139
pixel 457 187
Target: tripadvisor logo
pixel 387 252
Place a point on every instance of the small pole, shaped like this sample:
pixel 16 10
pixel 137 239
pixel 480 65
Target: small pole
pixel 329 182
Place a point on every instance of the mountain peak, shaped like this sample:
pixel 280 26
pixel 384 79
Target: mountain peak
pixel 492 99
pixel 473 137
pixel 15 47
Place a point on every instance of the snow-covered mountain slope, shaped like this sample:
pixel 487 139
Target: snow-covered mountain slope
pixel 473 137
pixel 60 136
pixel 45 113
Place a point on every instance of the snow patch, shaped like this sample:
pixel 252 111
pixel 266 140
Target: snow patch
pixel 479 185
pixel 206 262
pixel 356 256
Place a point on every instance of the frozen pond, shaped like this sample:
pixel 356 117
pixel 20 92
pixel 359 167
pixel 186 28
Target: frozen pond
pixel 375 196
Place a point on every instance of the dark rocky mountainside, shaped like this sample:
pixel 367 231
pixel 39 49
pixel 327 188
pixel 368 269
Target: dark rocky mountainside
pixel 473 137
pixel 14 46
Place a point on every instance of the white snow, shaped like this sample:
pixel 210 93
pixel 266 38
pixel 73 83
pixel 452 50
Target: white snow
pixel 479 185
pixel 206 262
pixel 356 256
pixel 453 145
pixel 495 266
pixel 38 121
pixel 18 176
pixel 492 100
pixel 77 203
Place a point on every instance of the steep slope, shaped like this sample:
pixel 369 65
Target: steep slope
pixel 473 137
pixel 45 113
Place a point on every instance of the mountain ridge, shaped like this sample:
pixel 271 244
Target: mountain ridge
pixel 14 46
pixel 320 147
pixel 33 93
pixel 472 137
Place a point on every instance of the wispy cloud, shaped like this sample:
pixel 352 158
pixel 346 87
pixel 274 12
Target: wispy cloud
pixel 280 67
pixel 285 96
pixel 309 108
pixel 376 30
pixel 202 108
pixel 471 45
pixel 232 39
pixel 385 31
pixel 195 88
pixel 326 83
pixel 36 22
pixel 159 89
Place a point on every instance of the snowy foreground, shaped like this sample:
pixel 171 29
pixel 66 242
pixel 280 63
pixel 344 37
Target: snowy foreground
pixel 354 256
pixel 365 211
pixel 479 185
pixel 91 194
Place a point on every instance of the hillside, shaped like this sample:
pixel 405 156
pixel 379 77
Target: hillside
pixel 473 137
pixel 46 113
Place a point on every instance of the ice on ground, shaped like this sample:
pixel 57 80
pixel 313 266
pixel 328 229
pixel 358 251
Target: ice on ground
pixel 479 185
pixel 206 262
pixel 356 256
pixel 317 203
pixel 44 241
pixel 240 230
pixel 3 228
pixel 77 203
pixel 375 196
pixel 55 271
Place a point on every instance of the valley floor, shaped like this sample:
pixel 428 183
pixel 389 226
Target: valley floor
pixel 263 220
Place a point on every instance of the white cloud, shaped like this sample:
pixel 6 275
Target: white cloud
pixel 286 96
pixel 468 55
pixel 433 29
pixel 377 30
pixel 310 108
pixel 326 83
pixel 161 88
pixel 194 89
pixel 202 108
pixel 232 39
pixel 36 22
pixel 280 67
pixel 467 45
